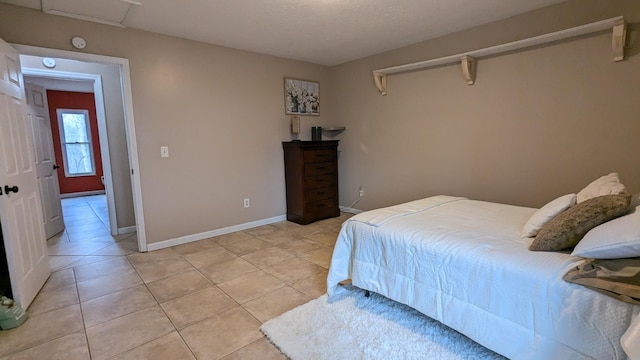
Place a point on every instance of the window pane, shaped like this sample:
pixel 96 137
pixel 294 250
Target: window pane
pixel 79 159
pixel 75 128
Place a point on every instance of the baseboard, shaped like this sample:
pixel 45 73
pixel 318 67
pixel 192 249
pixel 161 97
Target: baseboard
pixel 127 230
pixel 350 210
pixel 207 234
pixel 82 193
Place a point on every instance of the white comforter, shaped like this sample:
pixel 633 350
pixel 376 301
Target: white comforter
pixel 462 262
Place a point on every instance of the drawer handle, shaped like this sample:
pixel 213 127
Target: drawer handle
pixel 321 167
pixel 319 155
pixel 320 193
pixel 321 180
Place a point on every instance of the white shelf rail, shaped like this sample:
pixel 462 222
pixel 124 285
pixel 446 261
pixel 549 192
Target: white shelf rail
pixel 468 59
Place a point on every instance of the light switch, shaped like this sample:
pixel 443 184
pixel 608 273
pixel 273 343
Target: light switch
pixel 164 151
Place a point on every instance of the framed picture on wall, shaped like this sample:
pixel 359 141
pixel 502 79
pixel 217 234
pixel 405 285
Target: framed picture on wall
pixel 301 97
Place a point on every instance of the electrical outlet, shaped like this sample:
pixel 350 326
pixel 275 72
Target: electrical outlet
pixel 164 151
pixel 360 191
pixel 247 203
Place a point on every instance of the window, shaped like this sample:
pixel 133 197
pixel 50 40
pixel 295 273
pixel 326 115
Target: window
pixel 75 138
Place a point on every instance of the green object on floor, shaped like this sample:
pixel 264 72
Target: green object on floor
pixel 11 314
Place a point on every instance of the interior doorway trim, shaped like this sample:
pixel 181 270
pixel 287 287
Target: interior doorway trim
pixel 132 147
pixel 102 130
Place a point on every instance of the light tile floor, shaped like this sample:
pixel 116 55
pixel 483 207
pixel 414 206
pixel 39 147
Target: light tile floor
pixel 202 300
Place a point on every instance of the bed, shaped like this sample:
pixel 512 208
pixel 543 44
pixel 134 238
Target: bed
pixel 464 263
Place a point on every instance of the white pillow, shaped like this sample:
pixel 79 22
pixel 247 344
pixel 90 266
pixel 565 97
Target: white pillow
pixel 605 185
pixel 615 239
pixel 546 213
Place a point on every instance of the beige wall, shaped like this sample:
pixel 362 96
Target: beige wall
pixel 114 113
pixel 537 123
pixel 220 111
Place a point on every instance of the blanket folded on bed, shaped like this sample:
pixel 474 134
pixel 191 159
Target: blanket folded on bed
pixel 619 278
pixel 380 216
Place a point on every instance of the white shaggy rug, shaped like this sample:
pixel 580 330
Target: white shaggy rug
pixel 356 327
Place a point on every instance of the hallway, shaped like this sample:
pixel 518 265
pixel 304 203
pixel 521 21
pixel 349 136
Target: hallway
pixel 86 238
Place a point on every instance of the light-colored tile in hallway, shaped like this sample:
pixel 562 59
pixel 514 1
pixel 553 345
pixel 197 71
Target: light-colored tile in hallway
pixel 119 248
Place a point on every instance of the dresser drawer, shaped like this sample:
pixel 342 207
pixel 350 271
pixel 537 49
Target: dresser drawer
pixel 323 209
pixel 316 169
pixel 320 193
pixel 314 156
pixel 314 182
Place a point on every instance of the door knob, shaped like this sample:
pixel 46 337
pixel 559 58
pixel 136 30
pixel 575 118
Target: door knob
pixel 8 189
pixel 56 166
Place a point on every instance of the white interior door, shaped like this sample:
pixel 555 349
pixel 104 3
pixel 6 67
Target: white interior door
pixel 46 167
pixel 20 208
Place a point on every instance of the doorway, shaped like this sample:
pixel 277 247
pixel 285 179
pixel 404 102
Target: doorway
pixel 71 167
pixel 129 152
pixel 56 80
pixel 90 227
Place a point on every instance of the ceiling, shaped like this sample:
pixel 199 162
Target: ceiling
pixel 326 32
pixel 63 85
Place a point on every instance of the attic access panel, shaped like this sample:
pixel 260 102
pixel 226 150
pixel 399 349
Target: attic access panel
pixel 111 11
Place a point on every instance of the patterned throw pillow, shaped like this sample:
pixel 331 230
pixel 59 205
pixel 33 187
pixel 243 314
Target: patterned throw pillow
pixel 565 230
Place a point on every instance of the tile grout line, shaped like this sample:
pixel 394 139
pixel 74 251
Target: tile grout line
pixel 165 313
pixel 184 258
pixel 231 297
pixel 84 325
pixel 156 304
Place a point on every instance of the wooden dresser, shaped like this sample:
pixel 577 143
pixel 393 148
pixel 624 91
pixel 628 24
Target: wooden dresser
pixel 311 176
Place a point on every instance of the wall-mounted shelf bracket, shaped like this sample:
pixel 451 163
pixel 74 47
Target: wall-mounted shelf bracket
pixel 332 131
pixel 468 64
pixel 380 80
pixel 468 60
pixel 619 39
